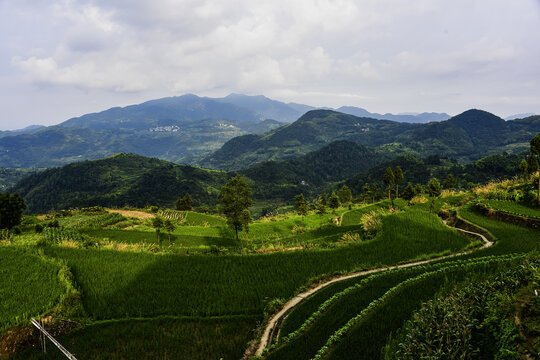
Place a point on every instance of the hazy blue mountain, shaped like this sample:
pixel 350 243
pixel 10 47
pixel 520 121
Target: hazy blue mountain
pixel 410 118
pixel 519 116
pixel 184 143
pixel 171 111
pixel 268 108
pixel 27 130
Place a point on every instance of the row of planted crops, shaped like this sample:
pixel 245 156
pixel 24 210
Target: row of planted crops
pixel 212 304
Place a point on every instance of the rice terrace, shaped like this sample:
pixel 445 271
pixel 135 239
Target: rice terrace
pixel 270 180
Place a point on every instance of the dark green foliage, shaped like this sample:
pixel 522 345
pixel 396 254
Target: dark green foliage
pixel 185 203
pixel 344 194
pixel 246 219
pixel 467 136
pixel 389 180
pixel 333 202
pixel 308 173
pixel 450 182
pixel 11 209
pixel 468 322
pixel 398 178
pixel 161 338
pixel 409 192
pixel 523 168
pixel 532 164
pixel 158 223
pixel 29 285
pixel 124 179
pixel 434 191
pixel 235 197
pixel 301 206
pixel 323 198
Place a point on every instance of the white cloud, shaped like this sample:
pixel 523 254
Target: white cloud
pixel 379 54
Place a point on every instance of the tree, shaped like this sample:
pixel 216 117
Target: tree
pixel 169 227
pixel 323 198
pixel 535 150
pixel 157 223
pixel 367 192
pixel 321 210
pixel 389 179
pixel 434 191
pixel 532 164
pixel 185 203
pixel 398 178
pixel 301 206
pixel 523 168
pixel 374 192
pixel 246 219
pixel 333 202
pixel 236 197
pixel 450 182
pixel 11 209
pixel 408 193
pixel 344 194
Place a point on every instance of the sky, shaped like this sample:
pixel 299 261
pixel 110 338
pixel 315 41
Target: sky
pixel 65 58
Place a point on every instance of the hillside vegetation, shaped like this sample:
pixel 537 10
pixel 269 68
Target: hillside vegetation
pixel 467 137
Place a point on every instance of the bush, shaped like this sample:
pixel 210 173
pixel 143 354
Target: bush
pixel 38 228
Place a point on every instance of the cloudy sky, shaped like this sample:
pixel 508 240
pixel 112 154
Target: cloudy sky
pixel 65 58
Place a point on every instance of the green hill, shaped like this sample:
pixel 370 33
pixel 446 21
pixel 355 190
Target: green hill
pixel 467 137
pixel 120 180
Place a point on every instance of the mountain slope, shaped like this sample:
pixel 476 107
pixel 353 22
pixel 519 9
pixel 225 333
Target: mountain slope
pixel 60 145
pixel 467 136
pixel 120 180
pixel 416 118
pixel 268 108
pixel 312 131
pixel 163 112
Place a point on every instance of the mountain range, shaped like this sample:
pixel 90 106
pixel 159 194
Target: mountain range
pixel 239 131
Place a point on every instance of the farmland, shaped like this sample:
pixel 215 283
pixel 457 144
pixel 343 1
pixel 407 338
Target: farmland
pixel 210 294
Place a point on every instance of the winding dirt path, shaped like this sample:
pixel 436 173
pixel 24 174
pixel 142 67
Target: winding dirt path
pixel 273 324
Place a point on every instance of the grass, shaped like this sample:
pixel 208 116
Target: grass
pixel 390 312
pixel 233 284
pixel 29 285
pixel 510 238
pixel 160 338
pixel 512 207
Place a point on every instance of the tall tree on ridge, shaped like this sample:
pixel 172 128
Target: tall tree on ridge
pixel 236 197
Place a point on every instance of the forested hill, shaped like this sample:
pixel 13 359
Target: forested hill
pixel 467 137
pixel 311 132
pixel 120 180
pixel 419 170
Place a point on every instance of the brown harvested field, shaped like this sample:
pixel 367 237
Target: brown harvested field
pixel 132 213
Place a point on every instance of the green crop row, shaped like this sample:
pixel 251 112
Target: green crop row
pixel 159 338
pixel 324 306
pixel 416 281
pixel 512 207
pixel 476 317
pixel 57 235
pixel 231 284
pixel 29 285
pixel 338 308
pixel 175 215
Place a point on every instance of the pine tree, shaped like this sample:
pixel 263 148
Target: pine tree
pixel 157 223
pixel 398 178
pixel 389 179
pixel 301 206
pixel 450 182
pixel 434 191
pixel 523 168
pixel 333 202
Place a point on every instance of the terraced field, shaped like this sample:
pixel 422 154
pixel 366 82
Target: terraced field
pixel 145 302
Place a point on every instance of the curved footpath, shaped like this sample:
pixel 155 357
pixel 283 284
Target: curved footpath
pixel 275 321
